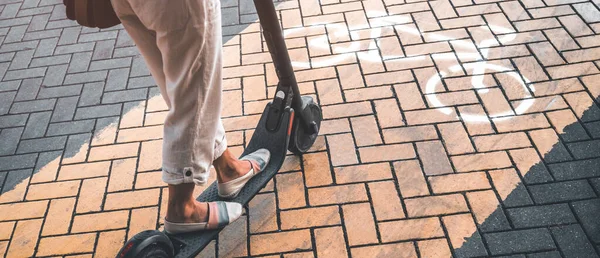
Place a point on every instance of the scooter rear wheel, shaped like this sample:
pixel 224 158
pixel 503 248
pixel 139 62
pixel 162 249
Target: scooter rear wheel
pixel 300 139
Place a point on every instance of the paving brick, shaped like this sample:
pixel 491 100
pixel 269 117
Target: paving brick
pixel 117 151
pixel 575 25
pixel 435 205
pixel 481 161
pixel 290 191
pixel 76 149
pixel 280 242
pixel 10 86
pixel 561 191
pixel 583 106
pixel 428 116
pixel 262 213
pixel 434 248
pixel 495 103
pixel 17 161
pixel 133 114
pixel 150 156
pixel 455 138
pixel 342 149
pixel 501 141
pixel 50 60
pixel 362 173
pixel 540 216
pixel 411 179
pixel 410 229
pixel 53 190
pixel 329 242
pixel 336 194
pixel 124 96
pixel 408 250
pixel 546 53
pixel 72 127
pixel 459 182
pixel 25 238
pixel 387 153
pixel 347 110
pixel 91 94
pixel 77 244
pixel 85 77
pixel 65 109
pixel 59 216
pixel 388 78
pixel 360 225
pixel 32 106
pixel 385 200
pixel 530 240
pixel 55 76
pixel 233 240
pixel 42 144
pixel 59 91
pixel 434 158
pixel 91 195
pixel 486 209
pixel 478 126
pixel 567 126
pixel 409 134
pixel 572 70
pixel 592 127
pixel 100 221
pixel 140 134
pixel 15 185
pixel 585 212
pixel 139 198
pixel 409 96
pixel 586 149
pixel 366 131
pixel 10 140
pixel 316 169
pixel 549 145
pixel 46 167
pixel 461 227
pixel 6 230
pixel 310 217
pixel 510 188
pixel 28 90
pixel 573 242
pixel 109 243
pixel 104 49
pixel 142 219
pixel 98 111
pixel 530 166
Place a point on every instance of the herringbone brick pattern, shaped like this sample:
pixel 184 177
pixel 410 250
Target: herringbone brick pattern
pixel 465 128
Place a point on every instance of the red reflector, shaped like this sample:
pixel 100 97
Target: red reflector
pixel 126 249
pixel 291 123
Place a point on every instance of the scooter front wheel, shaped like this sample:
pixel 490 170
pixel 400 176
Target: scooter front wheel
pixel 146 244
pixel 301 139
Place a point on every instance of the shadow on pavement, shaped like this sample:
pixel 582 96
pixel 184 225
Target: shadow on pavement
pixel 554 209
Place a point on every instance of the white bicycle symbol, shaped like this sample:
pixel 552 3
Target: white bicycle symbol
pixel 372 55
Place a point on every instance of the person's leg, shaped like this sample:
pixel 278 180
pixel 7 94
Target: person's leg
pixel 182 207
pixel 183 51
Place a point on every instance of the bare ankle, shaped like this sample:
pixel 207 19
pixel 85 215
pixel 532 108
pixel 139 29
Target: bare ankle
pixel 228 167
pixel 182 207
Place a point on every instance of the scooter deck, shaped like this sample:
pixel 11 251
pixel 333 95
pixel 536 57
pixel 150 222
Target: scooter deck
pixel 190 244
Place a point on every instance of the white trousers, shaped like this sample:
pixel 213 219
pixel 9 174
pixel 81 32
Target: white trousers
pixel 182 44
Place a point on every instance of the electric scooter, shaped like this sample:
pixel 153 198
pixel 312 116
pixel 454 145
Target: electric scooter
pixel 290 122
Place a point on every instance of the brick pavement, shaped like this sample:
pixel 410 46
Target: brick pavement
pixel 463 128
